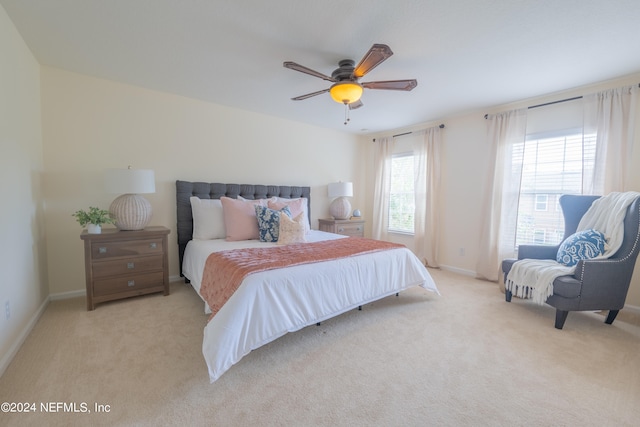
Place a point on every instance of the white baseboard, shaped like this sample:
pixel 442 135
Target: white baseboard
pixel 83 292
pixel 67 295
pixel 15 347
pixel 458 270
pixel 628 308
pixel 632 309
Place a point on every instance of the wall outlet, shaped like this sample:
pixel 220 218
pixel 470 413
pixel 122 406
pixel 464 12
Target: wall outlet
pixel 7 310
pixel 461 251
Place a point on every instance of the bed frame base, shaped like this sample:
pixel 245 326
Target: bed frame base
pixel 359 309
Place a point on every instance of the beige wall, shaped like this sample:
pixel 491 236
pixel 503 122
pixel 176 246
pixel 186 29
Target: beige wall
pixel 464 176
pixel 90 125
pixel 22 233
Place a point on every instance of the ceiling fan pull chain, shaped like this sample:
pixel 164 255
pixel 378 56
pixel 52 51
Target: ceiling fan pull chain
pixel 346 113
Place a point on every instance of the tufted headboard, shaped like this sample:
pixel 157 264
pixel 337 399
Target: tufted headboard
pixel 205 190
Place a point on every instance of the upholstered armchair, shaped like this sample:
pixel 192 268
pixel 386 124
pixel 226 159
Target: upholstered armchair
pixel 600 284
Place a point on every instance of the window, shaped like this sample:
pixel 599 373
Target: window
pixel 552 165
pixel 541 202
pixel 401 198
pixel 558 235
pixel 538 237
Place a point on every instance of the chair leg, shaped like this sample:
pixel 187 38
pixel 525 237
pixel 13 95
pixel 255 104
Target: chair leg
pixel 611 317
pixel 507 295
pixel 561 316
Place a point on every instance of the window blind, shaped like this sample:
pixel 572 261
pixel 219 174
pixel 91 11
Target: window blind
pixel 401 198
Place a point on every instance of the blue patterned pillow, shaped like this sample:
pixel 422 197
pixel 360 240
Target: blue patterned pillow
pixel 269 222
pixel 582 245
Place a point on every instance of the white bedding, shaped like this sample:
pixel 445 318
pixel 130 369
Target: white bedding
pixel 269 304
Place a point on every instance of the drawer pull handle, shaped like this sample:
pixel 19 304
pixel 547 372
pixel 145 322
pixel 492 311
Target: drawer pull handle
pixel 153 245
pixel 358 228
pixel 102 250
pixel 341 229
pixel 131 283
pixel 130 265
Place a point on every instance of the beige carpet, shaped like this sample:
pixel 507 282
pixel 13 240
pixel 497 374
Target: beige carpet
pixel 464 358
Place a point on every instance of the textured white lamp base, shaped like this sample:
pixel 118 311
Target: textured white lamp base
pixel 340 208
pixel 131 211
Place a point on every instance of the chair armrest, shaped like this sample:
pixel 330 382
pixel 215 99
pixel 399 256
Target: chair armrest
pixel 537 251
pixel 604 280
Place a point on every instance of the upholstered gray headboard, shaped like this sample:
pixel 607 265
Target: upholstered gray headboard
pixel 204 190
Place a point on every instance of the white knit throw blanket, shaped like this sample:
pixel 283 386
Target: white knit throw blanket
pixel 533 278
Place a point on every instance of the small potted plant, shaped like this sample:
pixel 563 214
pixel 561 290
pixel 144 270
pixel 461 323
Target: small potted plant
pixel 93 219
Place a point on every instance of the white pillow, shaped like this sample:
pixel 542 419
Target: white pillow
pixel 208 219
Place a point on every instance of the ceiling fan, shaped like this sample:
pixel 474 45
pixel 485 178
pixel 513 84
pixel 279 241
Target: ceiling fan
pixel 346 88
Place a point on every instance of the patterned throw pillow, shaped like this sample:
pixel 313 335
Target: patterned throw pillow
pixel 582 245
pixel 269 222
pixel 296 206
pixel 292 230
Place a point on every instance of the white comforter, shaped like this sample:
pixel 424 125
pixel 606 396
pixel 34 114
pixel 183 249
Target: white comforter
pixel 269 304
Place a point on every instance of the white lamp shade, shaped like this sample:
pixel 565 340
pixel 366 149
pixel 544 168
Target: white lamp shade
pixel 130 181
pixel 340 189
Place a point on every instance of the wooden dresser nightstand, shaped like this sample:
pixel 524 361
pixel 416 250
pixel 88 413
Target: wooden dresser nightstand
pixel 122 264
pixel 347 227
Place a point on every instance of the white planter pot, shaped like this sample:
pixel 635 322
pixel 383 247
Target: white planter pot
pixel 94 229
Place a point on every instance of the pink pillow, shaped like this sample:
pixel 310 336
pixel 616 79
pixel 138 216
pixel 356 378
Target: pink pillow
pixel 240 218
pixel 296 207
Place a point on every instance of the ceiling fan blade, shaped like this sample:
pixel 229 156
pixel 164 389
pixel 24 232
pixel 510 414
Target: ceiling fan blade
pixel 309 95
pixel 375 56
pixel 303 69
pixel 392 84
pixel 355 105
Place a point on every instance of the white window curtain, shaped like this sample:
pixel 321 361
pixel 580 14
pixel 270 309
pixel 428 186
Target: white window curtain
pixel 426 187
pixel 610 115
pixel 500 204
pixel 382 187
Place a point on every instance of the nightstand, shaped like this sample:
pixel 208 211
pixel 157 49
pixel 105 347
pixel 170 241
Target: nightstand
pixel 347 227
pixel 122 264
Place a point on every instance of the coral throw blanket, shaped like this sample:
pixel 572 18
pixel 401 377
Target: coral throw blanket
pixel 225 270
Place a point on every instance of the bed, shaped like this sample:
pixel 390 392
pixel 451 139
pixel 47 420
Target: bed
pixel 271 302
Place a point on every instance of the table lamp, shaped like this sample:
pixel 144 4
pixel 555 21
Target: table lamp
pixel 130 210
pixel 340 207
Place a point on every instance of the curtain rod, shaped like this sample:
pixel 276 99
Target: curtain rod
pixel 554 102
pixel 486 116
pixel 441 126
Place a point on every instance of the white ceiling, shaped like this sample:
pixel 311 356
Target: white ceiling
pixel 465 54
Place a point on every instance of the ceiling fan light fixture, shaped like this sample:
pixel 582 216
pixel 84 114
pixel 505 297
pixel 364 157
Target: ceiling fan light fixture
pixel 346 92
